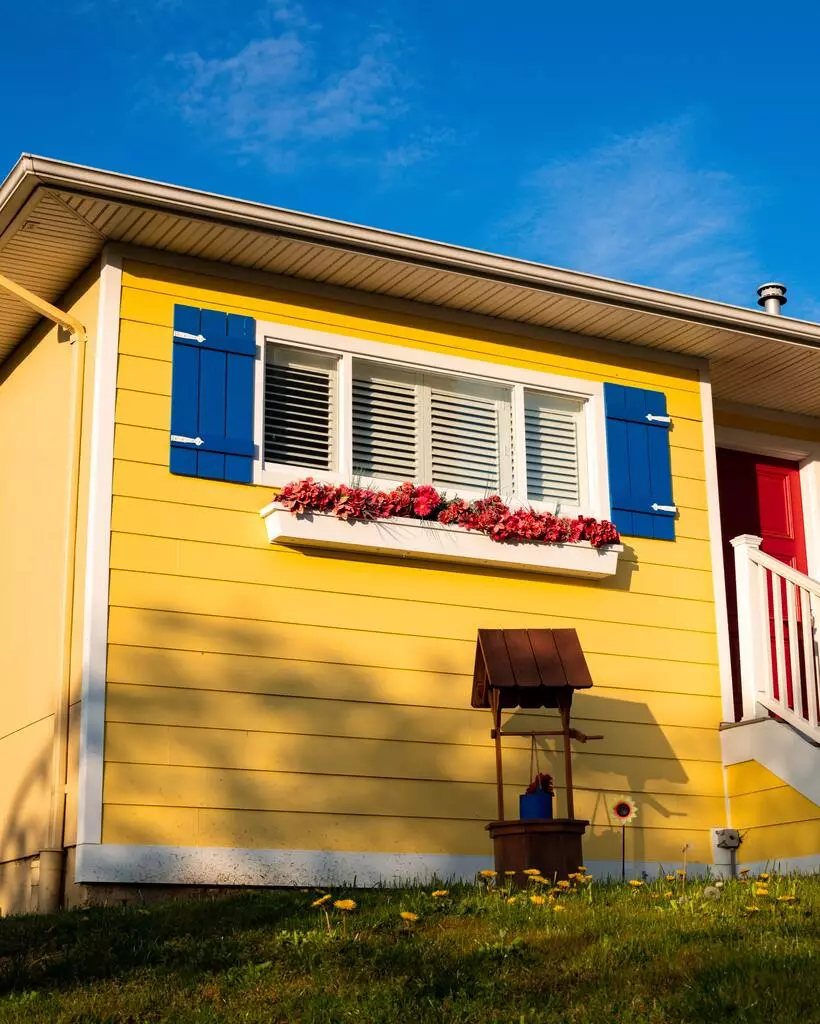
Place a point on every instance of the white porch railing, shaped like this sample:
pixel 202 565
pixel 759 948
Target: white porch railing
pixel 778 610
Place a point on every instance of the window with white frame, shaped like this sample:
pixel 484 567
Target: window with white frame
pixel 351 417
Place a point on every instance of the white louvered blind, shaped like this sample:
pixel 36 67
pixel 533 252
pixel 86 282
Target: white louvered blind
pixel 300 406
pixel 448 431
pixel 469 431
pixel 386 434
pixel 553 427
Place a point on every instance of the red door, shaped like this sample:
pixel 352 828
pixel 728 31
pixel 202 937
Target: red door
pixel 761 496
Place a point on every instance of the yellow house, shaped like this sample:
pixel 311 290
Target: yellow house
pixel 196 694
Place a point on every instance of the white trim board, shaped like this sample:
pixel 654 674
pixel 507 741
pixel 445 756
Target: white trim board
pixel 591 393
pixel 115 864
pixel 716 549
pixel 95 609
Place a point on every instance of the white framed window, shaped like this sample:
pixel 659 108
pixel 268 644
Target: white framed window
pixel 348 410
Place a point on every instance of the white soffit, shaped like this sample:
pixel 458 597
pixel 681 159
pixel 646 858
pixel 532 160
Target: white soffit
pixel 55 218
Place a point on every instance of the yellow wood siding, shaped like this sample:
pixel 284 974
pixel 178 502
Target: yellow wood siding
pixel 777 822
pixel 265 697
pixel 35 414
pixel 760 423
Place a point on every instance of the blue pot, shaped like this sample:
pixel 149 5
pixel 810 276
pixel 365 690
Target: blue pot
pixel 535 805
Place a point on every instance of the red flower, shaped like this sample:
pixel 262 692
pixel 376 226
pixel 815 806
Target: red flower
pixel 426 501
pixel 490 516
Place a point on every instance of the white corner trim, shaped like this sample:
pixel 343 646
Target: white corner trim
pixel 113 864
pixel 716 549
pixel 431 541
pixel 95 605
pixel 780 750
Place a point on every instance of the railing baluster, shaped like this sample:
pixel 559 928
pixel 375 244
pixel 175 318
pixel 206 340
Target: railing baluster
pixel 764 629
pixel 779 643
pixel 794 650
pixel 778 637
pixel 810 711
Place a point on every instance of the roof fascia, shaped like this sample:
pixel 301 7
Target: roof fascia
pixel 417 251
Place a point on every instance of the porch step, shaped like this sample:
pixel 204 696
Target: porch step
pixel 781 749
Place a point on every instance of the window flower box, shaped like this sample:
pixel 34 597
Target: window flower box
pixel 432 541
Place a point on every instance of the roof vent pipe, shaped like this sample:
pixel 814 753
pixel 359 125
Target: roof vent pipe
pixel 772 297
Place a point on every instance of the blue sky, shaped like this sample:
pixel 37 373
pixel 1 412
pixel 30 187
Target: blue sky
pixel 671 145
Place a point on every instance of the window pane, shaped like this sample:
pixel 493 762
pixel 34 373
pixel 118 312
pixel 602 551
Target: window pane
pixel 385 422
pixel 300 390
pixel 552 435
pixel 468 422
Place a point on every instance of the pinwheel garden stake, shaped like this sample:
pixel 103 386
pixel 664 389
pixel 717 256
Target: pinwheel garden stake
pixel 624 810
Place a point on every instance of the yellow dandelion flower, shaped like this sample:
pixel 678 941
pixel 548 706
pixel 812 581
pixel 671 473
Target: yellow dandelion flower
pixel 753 910
pixel 669 895
pixel 670 878
pixel 512 899
pixel 636 883
pixel 764 876
pixel 558 907
pixel 536 899
pixel 761 892
pixel 321 900
pixel 345 904
pixel 440 892
pixel 582 869
pixel 488 873
pixel 509 874
pixel 563 884
pixel 681 872
pixel 786 899
pixel 532 871
pixel 587 878
pixel 408 915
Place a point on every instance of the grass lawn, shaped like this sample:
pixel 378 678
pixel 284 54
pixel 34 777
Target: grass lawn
pixel 657 952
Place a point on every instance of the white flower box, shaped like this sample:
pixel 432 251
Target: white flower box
pixel 431 541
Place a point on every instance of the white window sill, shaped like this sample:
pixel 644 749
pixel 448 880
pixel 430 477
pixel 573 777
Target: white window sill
pixel 431 541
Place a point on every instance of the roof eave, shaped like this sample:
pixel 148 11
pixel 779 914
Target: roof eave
pixel 32 171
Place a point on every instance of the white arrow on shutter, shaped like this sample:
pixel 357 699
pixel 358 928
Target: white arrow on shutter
pixel 663 508
pixel 180 439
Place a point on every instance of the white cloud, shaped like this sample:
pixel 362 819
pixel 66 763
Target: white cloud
pixel 641 209
pixel 275 98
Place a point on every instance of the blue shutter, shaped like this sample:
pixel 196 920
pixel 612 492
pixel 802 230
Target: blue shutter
pixel 212 395
pixel 640 474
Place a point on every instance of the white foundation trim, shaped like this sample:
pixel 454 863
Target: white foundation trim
pixel 716 548
pixel 431 541
pixel 808 865
pixel 113 864
pixel 95 610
